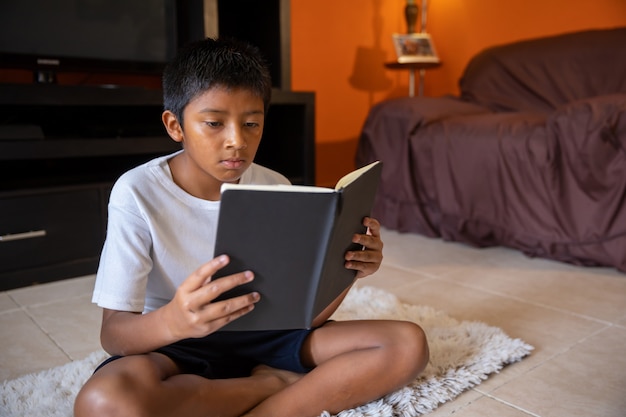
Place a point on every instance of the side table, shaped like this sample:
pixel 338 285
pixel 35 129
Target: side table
pixel 412 67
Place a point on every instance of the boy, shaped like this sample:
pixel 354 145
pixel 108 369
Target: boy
pixel 159 321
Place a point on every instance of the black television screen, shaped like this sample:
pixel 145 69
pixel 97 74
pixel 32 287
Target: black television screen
pixel 118 35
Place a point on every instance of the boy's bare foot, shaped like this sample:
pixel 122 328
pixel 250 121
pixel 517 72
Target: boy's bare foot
pixel 284 377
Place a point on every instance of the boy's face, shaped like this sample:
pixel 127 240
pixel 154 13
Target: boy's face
pixel 221 134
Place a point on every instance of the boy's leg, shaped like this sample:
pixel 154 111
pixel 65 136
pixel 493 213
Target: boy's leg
pixel 356 362
pixel 150 385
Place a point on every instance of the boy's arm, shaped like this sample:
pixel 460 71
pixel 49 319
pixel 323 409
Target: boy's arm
pixel 191 313
pixel 365 262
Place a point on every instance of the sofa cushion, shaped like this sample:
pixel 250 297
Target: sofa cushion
pixel 543 74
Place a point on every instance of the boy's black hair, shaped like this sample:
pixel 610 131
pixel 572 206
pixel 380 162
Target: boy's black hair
pixel 208 63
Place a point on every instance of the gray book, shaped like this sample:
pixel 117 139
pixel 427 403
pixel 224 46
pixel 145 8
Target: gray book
pixel 294 238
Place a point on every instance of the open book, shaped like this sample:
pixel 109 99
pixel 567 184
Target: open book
pixel 294 238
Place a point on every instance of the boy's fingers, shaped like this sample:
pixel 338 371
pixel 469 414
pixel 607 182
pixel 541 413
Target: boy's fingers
pixel 207 293
pixel 200 276
pixel 369 242
pixel 373 226
pixel 227 310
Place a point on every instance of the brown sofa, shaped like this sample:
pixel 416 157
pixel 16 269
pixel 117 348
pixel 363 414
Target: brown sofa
pixel 532 155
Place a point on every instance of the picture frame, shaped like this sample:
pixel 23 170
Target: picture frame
pixel 414 47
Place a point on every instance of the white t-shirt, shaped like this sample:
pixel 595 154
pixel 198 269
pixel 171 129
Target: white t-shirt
pixel 157 235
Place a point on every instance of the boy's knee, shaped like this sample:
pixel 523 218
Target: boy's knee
pixel 91 400
pixel 104 396
pixel 411 348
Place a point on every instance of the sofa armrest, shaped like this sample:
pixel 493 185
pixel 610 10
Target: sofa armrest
pixel 390 123
pixel 585 124
pixel 591 134
pixel 396 118
pixel 412 111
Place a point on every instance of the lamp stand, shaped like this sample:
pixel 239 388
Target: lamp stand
pixel 411 11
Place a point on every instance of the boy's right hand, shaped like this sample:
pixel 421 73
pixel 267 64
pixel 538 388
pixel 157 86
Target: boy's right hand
pixel 192 312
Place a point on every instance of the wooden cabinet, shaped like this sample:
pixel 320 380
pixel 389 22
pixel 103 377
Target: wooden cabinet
pixel 61 149
pixel 49 231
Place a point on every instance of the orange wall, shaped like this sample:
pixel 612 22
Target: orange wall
pixel 339 47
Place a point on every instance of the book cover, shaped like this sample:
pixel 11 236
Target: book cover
pixel 294 239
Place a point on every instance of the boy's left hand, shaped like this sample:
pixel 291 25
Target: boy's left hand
pixel 366 261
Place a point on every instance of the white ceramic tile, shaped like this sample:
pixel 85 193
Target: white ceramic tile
pixel 536 324
pixel 587 380
pixel 596 293
pixel 6 303
pixel 456 406
pixel 516 259
pixel 428 255
pixel 549 331
pixel 24 347
pixel 488 407
pixel 389 277
pixel 50 292
pixel 74 324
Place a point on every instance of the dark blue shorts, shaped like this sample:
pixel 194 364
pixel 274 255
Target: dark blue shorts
pixel 232 354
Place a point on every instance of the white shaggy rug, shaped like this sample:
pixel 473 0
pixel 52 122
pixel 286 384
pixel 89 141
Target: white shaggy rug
pixel 462 354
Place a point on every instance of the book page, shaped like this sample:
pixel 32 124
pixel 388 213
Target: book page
pixel 277 188
pixel 348 178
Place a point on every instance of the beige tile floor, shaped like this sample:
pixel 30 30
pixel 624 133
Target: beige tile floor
pixel 575 317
